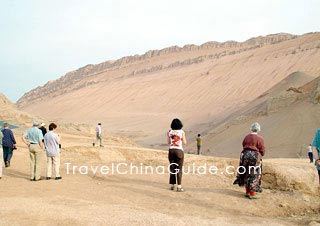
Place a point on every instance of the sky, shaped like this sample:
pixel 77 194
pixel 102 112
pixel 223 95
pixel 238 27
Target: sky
pixel 41 40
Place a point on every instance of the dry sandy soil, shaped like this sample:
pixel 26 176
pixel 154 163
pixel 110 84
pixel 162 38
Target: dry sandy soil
pixel 290 194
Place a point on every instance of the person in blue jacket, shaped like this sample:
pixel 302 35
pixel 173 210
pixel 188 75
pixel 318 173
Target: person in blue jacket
pixel 8 144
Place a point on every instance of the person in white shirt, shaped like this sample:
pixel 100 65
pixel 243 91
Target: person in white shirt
pixel 310 153
pixel 176 137
pixel 98 135
pixel 51 141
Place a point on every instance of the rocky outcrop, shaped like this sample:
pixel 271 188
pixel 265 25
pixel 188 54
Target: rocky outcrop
pixel 10 113
pixel 5 102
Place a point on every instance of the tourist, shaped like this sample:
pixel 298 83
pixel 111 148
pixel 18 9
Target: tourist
pixel 33 139
pixel 8 144
pixel 176 138
pixel 1 153
pixel 251 162
pixel 98 135
pixel 310 154
pixel 51 141
pixel 316 151
pixel 199 144
pixel 43 129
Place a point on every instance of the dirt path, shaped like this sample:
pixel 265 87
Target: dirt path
pixel 139 199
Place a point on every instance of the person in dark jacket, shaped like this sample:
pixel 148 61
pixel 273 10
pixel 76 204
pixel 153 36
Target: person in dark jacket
pixel 8 144
pixel 43 129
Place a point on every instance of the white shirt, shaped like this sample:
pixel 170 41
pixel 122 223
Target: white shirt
pixel 51 141
pixel 176 139
pixel 99 129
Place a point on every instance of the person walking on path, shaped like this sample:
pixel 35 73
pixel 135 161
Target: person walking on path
pixel 176 137
pixel 98 135
pixel 51 141
pixel 33 139
pixel 199 144
pixel 8 144
pixel 43 129
pixel 1 153
pixel 310 153
pixel 316 151
pixel 251 162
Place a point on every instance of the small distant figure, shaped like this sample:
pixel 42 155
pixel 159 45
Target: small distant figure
pixel 33 139
pixel 43 129
pixel 251 161
pixel 51 141
pixel 98 135
pixel 310 153
pixel 8 144
pixel 199 144
pixel 316 151
pixel 176 137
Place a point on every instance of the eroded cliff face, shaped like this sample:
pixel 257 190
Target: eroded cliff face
pixel 208 51
pixel 10 113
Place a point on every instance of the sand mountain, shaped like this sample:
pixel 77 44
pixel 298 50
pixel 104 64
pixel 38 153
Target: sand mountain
pixel 289 113
pixel 139 95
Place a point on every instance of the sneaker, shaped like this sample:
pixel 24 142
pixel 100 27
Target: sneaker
pixel 180 190
pixel 58 178
pixel 252 197
pixel 48 178
pixel 37 179
pixel 172 187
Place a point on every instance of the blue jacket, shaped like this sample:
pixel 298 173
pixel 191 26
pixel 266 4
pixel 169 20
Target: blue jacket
pixel 8 139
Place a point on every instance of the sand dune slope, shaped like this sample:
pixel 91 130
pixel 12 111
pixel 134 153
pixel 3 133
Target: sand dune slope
pixel 288 113
pixel 138 96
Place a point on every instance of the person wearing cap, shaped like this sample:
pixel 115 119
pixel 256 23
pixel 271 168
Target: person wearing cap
pixel 98 135
pixel 33 139
pixel 43 129
pixel 51 141
pixel 8 144
pixel 250 167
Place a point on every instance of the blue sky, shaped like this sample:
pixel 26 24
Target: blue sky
pixel 41 40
